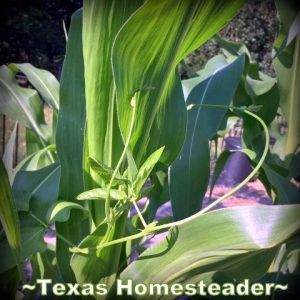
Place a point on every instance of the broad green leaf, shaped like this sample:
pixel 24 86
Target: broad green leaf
pixel 37 190
pixel 19 103
pixel 60 211
pixel 239 242
pixel 32 240
pixel 43 81
pixel 101 193
pixel 146 53
pixel 70 140
pixel 101 22
pixel 189 174
pixel 8 212
pixel 105 172
pixel 146 169
pixel 8 155
pixel 103 138
pixel 287 68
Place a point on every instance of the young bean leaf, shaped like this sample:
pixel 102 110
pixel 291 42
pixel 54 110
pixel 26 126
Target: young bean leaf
pixel 105 172
pixel 60 211
pixel 146 169
pixel 100 194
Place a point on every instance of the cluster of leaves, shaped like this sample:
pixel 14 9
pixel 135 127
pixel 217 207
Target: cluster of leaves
pixel 120 104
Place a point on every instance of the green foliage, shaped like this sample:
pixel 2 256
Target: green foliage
pixel 8 214
pixel 126 127
pixel 70 140
pixel 287 68
pixel 229 242
pixel 189 174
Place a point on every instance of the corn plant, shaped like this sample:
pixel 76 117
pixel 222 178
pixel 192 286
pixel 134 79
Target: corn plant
pixel 128 127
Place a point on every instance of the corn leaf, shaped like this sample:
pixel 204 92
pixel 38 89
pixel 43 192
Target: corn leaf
pixel 21 104
pixel 287 67
pixel 146 52
pixel 189 174
pixel 37 190
pixel 43 81
pixel 69 139
pixel 8 155
pixel 240 242
pixel 106 172
pixel 8 212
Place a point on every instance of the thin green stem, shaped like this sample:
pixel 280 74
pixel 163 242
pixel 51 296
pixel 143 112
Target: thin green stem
pixel 107 200
pixel 153 229
pixel 49 228
pixel 139 214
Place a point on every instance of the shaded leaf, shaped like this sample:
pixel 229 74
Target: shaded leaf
pixel 189 174
pixel 8 213
pixel 287 68
pixel 8 155
pixel 70 141
pixel 32 241
pixel 37 190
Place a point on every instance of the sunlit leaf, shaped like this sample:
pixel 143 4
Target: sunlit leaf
pixel 146 52
pixel 43 81
pixel 8 213
pixel 239 242
pixel 19 103
pixel 101 193
pixel 60 211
